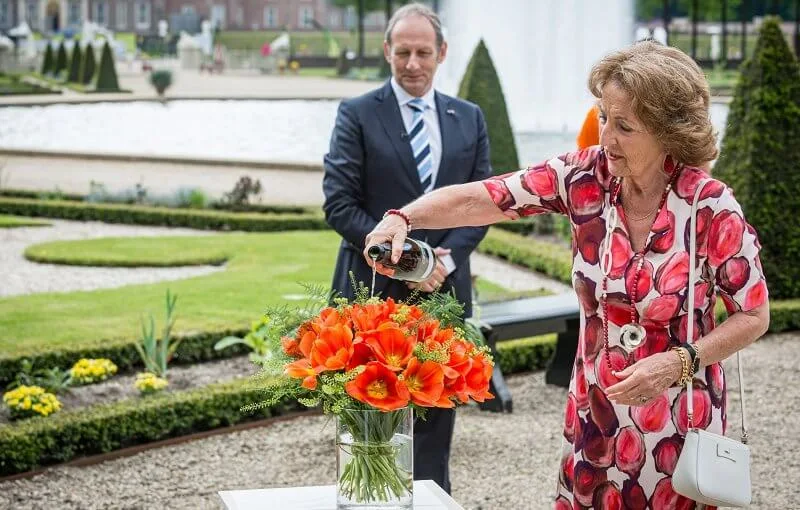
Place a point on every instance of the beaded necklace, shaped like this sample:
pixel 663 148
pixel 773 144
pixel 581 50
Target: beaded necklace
pixel 633 334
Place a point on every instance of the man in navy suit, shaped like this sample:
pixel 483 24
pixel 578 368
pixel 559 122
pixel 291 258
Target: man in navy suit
pixel 389 147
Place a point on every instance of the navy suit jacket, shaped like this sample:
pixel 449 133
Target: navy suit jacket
pixel 370 168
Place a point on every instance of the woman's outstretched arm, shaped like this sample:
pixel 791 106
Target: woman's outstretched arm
pixel 462 205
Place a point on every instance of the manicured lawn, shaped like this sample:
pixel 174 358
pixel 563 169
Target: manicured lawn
pixel 261 270
pixel 7 221
pixel 303 43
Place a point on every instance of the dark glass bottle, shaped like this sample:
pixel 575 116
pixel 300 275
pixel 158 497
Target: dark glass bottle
pixel 416 263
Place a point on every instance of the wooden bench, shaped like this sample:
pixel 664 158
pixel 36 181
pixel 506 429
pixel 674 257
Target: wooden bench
pixel 520 318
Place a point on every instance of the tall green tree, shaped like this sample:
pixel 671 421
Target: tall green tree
pixel 481 85
pixel 61 60
pixel 761 153
pixel 74 74
pixel 47 64
pixel 107 74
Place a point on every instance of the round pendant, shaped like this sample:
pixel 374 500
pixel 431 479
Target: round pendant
pixel 631 336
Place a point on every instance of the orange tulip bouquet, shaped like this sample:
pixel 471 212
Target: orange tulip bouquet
pixel 372 364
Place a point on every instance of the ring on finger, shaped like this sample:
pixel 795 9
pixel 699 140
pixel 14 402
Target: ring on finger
pixel 643 399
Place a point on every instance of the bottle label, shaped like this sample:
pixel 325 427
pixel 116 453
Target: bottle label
pixel 431 263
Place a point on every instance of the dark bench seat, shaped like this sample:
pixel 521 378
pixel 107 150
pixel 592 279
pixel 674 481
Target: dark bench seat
pixel 520 318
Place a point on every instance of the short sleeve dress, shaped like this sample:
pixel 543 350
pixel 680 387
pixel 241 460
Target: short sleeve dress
pixel 617 456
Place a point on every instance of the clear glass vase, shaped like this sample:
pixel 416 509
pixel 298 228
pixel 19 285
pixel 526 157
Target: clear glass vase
pixel 375 459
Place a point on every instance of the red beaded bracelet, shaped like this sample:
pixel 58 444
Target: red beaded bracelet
pixel 398 212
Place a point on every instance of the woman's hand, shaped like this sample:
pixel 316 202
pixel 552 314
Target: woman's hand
pixel 646 379
pixel 392 228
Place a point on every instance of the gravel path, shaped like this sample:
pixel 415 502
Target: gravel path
pixel 503 462
pixel 20 276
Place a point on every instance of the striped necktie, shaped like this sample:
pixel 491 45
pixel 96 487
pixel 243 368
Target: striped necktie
pixel 420 145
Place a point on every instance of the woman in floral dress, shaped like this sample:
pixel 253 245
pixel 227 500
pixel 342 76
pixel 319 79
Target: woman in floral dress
pixel 629 202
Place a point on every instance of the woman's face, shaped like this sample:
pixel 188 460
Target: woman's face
pixel 630 149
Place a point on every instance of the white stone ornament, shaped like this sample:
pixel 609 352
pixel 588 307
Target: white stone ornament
pixel 631 336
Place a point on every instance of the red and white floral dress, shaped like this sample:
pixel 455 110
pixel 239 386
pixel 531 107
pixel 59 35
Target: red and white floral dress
pixel 617 456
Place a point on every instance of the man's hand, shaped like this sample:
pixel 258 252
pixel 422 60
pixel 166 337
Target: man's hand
pixel 436 279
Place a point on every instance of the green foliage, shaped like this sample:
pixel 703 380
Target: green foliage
pixel 244 188
pixel 107 75
pixel 760 154
pixel 49 62
pixel 543 257
pixel 157 352
pixel 481 85
pixel 194 348
pixel 69 434
pixel 709 10
pixel 88 65
pixel 161 80
pixel 61 60
pixel 74 74
pixel 525 354
pixel 140 215
pixel 54 379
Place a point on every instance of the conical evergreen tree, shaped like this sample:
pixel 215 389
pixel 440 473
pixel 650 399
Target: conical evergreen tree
pixel 47 64
pixel 107 75
pixel 481 85
pixel 75 64
pixel 61 60
pixel 761 153
pixel 87 65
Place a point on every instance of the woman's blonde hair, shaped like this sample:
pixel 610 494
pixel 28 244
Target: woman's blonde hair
pixel 669 95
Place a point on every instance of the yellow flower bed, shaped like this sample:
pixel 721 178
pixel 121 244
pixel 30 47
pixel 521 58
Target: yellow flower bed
pixel 27 401
pixel 147 382
pixel 88 371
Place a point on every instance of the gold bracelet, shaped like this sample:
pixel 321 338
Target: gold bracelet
pixel 686 375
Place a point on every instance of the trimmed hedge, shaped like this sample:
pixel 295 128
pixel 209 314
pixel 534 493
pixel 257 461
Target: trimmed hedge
pixel 74 74
pixel 41 195
pixel 49 59
pixel 195 347
pixel 88 65
pixel 107 74
pixel 60 63
pixel 481 85
pixel 38 442
pixel 760 154
pixel 161 216
pixel 62 437
pixel 543 257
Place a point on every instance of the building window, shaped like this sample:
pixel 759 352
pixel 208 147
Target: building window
pixel 350 18
pixel 305 16
pixel 142 15
pixel 270 17
pixel 122 15
pixel 239 16
pixel 335 20
pixel 74 13
pixel 32 13
pixel 100 13
pixel 218 16
pixel 187 9
pixel 5 16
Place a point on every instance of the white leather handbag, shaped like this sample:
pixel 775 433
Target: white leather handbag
pixel 712 469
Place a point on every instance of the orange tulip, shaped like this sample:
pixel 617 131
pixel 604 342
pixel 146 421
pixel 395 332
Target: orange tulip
pixel 478 377
pixel 369 317
pixel 391 346
pixel 302 369
pixel 425 382
pixel 290 347
pixel 379 387
pixel 334 348
pixel 362 354
pixel 427 330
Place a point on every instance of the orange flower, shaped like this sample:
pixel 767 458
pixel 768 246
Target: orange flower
pixel 302 369
pixel 362 354
pixel 427 330
pixel 368 317
pixel 291 347
pixel 478 377
pixel 391 346
pixel 334 347
pixel 425 382
pixel 379 387
pixel 307 333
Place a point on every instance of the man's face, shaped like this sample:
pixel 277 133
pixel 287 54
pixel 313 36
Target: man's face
pixel 413 54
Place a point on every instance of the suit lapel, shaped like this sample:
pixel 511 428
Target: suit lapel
pixel 392 120
pixel 448 128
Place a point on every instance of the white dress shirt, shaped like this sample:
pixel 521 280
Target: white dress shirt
pixel 431 119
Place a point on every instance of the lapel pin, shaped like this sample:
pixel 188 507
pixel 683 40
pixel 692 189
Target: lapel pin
pixel 450 111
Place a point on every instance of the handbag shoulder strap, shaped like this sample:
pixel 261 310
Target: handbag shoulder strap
pixel 690 323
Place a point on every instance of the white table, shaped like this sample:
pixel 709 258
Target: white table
pixel 427 496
